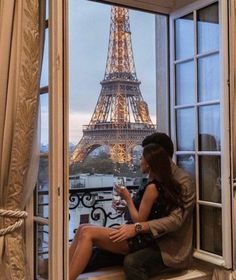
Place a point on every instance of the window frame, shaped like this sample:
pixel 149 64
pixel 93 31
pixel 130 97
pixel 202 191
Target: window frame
pixel 58 88
pixel 57 161
pixel 226 259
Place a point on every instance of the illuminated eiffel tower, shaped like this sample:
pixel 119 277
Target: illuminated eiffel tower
pixel 121 119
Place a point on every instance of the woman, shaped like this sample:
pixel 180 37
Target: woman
pixel 161 195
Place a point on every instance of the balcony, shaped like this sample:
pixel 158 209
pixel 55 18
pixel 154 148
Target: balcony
pixel 86 205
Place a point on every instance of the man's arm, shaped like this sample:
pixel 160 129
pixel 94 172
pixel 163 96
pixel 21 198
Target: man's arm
pixel 161 226
pixel 157 227
pixel 178 216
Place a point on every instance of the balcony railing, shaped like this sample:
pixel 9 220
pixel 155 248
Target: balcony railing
pixel 98 203
pixel 86 205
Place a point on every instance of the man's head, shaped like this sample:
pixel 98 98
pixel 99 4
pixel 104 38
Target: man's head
pixel 161 139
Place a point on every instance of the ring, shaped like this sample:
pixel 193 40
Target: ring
pixel 122 187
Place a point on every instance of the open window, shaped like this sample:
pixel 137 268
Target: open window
pixel 187 95
pixel 112 98
pixel 199 95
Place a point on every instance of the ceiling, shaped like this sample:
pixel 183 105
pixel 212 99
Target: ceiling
pixel 159 6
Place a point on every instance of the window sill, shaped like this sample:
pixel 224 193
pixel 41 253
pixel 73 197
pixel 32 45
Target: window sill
pixel 116 273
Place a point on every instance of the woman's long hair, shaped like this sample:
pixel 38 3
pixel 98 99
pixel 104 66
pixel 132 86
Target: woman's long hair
pixel 160 167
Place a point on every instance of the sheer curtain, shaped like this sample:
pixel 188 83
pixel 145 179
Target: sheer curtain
pixel 20 63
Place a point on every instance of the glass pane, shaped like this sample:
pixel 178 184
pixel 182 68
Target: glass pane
pixel 44 109
pixel 209 128
pixel 184 37
pixel 185 83
pixel 42 239
pixel 185 123
pixel 42 189
pixel 211 229
pixel 44 73
pixel 210 178
pixel 208 78
pixel 208 28
pixel 187 162
pixel 47 9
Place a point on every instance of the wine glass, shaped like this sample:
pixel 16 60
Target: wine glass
pixel 119 182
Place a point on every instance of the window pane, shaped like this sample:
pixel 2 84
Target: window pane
pixel 209 128
pixel 42 188
pixel 42 239
pixel 44 73
pixel 187 162
pixel 209 178
pixel 47 8
pixel 184 37
pixel 44 109
pixel 185 119
pixel 185 83
pixel 208 28
pixel 208 78
pixel 210 229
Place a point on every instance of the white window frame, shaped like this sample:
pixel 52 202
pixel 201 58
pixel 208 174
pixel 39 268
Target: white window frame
pixel 226 259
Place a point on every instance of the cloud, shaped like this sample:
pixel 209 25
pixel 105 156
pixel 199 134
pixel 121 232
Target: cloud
pixel 76 122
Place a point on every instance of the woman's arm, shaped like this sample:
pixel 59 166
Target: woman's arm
pixel 149 197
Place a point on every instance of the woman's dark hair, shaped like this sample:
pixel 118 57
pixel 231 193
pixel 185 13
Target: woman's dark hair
pixel 160 166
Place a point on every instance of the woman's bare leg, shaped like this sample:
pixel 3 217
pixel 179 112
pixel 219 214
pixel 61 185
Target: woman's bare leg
pixel 73 245
pixel 88 237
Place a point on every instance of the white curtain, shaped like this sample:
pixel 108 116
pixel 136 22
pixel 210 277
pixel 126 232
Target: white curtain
pixel 21 39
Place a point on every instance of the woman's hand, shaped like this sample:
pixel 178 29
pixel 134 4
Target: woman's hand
pixel 124 193
pixel 120 207
pixel 122 233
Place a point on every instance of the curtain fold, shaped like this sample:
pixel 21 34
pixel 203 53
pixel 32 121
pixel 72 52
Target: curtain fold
pixel 20 63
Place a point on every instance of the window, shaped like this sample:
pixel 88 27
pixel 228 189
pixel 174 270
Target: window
pixel 198 118
pixel 199 126
pixel 111 113
pixel 41 193
pixel 48 217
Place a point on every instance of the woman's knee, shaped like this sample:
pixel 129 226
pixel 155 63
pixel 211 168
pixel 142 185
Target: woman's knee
pixel 80 229
pixel 86 231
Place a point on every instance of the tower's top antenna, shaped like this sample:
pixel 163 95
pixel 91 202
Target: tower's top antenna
pixel 120 61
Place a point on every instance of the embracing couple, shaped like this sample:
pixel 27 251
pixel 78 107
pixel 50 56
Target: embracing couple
pixel 159 231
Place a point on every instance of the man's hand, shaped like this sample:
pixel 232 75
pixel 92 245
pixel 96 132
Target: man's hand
pixel 122 233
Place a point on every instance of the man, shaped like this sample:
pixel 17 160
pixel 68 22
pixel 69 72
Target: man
pixel 173 233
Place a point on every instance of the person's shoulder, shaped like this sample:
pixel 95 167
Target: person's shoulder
pixel 182 177
pixel 180 173
pixel 155 184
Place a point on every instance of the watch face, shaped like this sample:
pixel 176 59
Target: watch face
pixel 138 227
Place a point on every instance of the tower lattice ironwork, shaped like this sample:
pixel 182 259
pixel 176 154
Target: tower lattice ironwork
pixel 121 119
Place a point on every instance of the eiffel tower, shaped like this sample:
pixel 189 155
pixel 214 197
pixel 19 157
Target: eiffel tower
pixel 121 119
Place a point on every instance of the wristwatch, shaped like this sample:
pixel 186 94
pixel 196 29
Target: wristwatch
pixel 138 228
